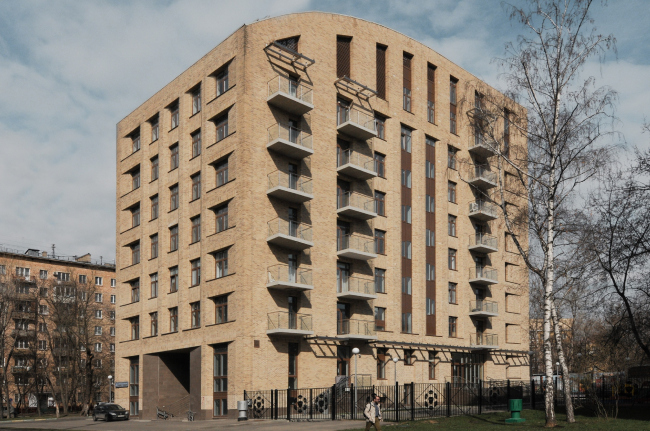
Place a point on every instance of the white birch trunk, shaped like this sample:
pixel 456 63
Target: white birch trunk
pixel 566 380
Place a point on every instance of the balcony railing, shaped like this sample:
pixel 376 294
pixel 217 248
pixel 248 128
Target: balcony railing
pixel 20 368
pixel 356 247
pixel 478 144
pixel 483 307
pixel 290 95
pixel 290 140
pixel 290 233
pixel 356 205
pixel 285 276
pixel 483 242
pixel 483 210
pixel 284 320
pixel 355 286
pixel 290 186
pixel 482 176
pixel 356 328
pixel 481 339
pixel 356 123
pixel 483 274
pixel 355 164
pixel 23 333
pixel 25 278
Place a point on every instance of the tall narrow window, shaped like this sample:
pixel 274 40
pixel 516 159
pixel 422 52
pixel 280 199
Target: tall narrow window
pixel 154 285
pixel 196 100
pixel 195 308
pixel 173 157
pixel 134 387
pixel 135 178
pixel 173 319
pixel 221 169
pixel 173 279
pixel 222 80
pixel 431 272
pixel 380 241
pixel 406 214
pixel 406 285
pixel 154 168
pixel 196 143
pixel 173 197
pixel 380 319
pixel 196 229
pixel 431 238
pixel 221 263
pixel 380 203
pixel 154 323
pixel 380 121
pixel 451 192
pixel 429 169
pixel 431 93
pixel 380 280
pixel 406 178
pixel 135 291
pixel 221 214
pixel 406 102
pixel 173 238
pixel 135 141
pixel 155 129
pixel 135 253
pixel 220 382
pixel 431 307
pixel 221 124
pixel 196 186
pixel 452 292
pixel 451 224
pixel 432 365
pixel 221 309
pixel 452 326
pixel 381 71
pixel 196 272
pixel 380 165
pixel 406 249
pixel 173 109
pixel 135 328
pixel 430 204
pixel 452 259
pixel 154 245
pixel 294 349
pixel 135 216
pixel 406 323
pixel 343 56
pixel 406 139
pixel 453 82
pixel 451 157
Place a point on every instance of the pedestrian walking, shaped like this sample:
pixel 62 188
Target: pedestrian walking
pixel 372 412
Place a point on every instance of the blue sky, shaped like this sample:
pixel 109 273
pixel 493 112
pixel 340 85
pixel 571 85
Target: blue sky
pixel 70 70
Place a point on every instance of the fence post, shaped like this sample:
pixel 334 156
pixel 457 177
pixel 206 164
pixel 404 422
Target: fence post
pixel 480 396
pixel 288 404
pixel 508 396
pixel 396 402
pixel 532 394
pixel 412 401
pixel 448 396
pixel 333 401
pixel 352 412
pixel 311 404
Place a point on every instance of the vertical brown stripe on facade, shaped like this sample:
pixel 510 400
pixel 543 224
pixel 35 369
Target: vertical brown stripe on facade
pixel 430 221
pixel 407 71
pixel 381 71
pixel 343 56
pixel 431 82
pixel 407 235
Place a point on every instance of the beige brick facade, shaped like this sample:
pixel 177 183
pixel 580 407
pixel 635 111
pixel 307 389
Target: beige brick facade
pixel 258 351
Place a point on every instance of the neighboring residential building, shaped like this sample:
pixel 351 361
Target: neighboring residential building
pixel 301 190
pixel 55 307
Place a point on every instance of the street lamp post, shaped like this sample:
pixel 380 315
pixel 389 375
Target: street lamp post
pixel 395 359
pixel 355 352
pixel 110 388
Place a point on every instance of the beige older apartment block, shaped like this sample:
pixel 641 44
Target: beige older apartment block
pixel 301 194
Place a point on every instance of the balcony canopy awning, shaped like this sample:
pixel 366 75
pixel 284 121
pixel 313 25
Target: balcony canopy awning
pixel 287 54
pixel 355 87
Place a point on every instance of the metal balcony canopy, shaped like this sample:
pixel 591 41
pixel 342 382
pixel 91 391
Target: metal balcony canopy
pixel 289 54
pixel 355 87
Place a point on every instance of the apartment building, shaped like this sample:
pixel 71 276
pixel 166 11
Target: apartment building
pixel 309 186
pixel 57 325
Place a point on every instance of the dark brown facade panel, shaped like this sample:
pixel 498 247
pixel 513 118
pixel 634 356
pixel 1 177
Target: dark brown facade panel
pixel 407 71
pixel 381 71
pixel 343 56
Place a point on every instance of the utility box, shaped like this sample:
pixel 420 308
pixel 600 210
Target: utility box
pixel 242 406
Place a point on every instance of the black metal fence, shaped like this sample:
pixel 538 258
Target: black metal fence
pixel 429 400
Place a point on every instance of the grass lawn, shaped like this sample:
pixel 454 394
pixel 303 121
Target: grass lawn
pixel 631 420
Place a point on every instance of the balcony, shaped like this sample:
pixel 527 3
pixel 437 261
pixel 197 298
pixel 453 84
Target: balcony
pixel 24 278
pixel 286 323
pixel 290 187
pixel 352 329
pixel 355 288
pixel 290 234
pixel 482 210
pixel 287 277
pixel 356 123
pixel 22 352
pixel 290 141
pixel 478 145
pixel 356 205
pixel 483 308
pixel 356 165
pixel 356 247
pixel 20 369
pixel 23 333
pixel 482 177
pixel 289 95
pixel 483 340
pixel 483 275
pixel 483 243
pixel 23 315
pixel 62 351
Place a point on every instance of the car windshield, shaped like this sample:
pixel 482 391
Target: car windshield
pixel 114 407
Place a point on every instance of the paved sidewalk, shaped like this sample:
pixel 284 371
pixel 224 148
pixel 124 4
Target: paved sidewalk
pixel 83 424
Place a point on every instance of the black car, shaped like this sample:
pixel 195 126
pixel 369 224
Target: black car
pixel 110 412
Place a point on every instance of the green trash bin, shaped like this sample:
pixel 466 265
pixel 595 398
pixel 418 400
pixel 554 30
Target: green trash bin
pixel 515 407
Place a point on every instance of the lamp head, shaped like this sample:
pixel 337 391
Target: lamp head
pixel 395 359
pixel 355 351
pixel 110 377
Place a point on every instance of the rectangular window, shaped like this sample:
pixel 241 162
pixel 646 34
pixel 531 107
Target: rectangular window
pixel 154 168
pixel 381 363
pixel 451 225
pixel 154 285
pixel 380 203
pixel 99 297
pixel 154 207
pixel 406 70
pixel 452 259
pixel 196 143
pixel 221 263
pixel 173 108
pixel 135 179
pixel 380 280
pixel 380 319
pixel 173 238
pixel 112 331
pixel 431 93
pixel 406 214
pixel 173 157
pixel 429 169
pixel 113 282
pixel 431 307
pixel 134 387
pixel 430 204
pixel 154 323
pixel 98 314
pixel 451 157
pixel 135 141
pixel 173 319
pixel 196 186
pixel 42 344
pixel 452 292
pixel 431 238
pixel 380 122
pixel 196 100
pixel 155 129
pixel 406 139
pixel 98 330
pixel 222 81
pixel 380 165
pixel 173 279
pixel 98 347
pixel 99 281
pixel 452 326
pixel 380 241
pixel 221 125
pixel 406 285
pixel 42 309
pixel 451 192
pixel 196 229
pixel 196 272
pixel 42 274
pixel 135 254
pixel 343 56
pixel 195 308
pixel 154 246
pixel 406 178
pixel 431 272
pixel 135 291
pixel 135 216
pixel 220 381
pixel 409 357
pixel 113 299
pixel 406 323
pixel 453 82
pixel 406 249
pixel 221 309
pixel 173 197
pixel 381 71
pixel 221 169
pixel 221 214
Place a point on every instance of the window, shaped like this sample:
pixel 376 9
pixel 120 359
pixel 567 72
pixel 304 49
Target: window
pixel 380 280
pixel 431 238
pixel 220 381
pixel 196 100
pixel 406 249
pixel 451 157
pixel 154 246
pixel 431 272
pixel 135 216
pixel 451 192
pixel 173 108
pixel 112 331
pixel 196 272
pixel 195 308
pixel 406 285
pixel 196 229
pixel 221 263
pixel 196 186
pixel 111 315
pixel 43 292
pixel 380 203
pixel 451 225
pixel 134 387
pixel 154 168
pixel 381 71
pixel 173 319
pixel 196 143
pixel 113 282
pixel 430 204
pixel 135 179
pixel 222 217
pixel 452 259
pixel 173 197
pixel 432 365
pixel 406 178
pixel 221 169
pixel 380 123
pixel 42 274
pixel 99 281
pixel 42 309
pixel 429 169
pixel 380 319
pixel 431 307
pixel 221 124
pixel 42 344
pixel 406 70
pixel 98 330
pixel 154 285
pixel 381 363
pixel 3 270
pixel 135 291
pixel 452 293
pixel 112 349
pixel 173 238
pixel 113 298
pixel 380 165
pixel 135 141
pixel 406 214
pixel 221 309
pixel 173 161
pixel 99 297
pixel 453 82
pixel 154 323
pixel 343 56
pixel 42 327
pixel 222 81
pixel 406 139
pixel 22 272
pixel 154 207
pixel 173 279
pixel 431 93
pixel 406 323
pixel 98 347
pixel 155 129
pixel 135 253
pixel 380 241
pixel 409 357
pixel 452 326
